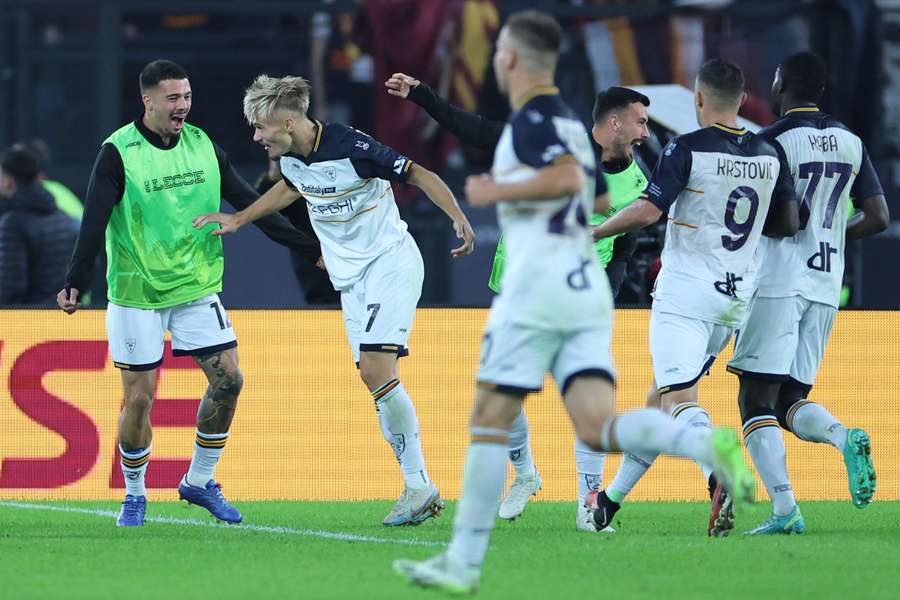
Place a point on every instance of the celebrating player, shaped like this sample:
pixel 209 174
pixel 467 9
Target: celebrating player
pixel 344 177
pixel 543 186
pixel 780 348
pixel 150 177
pixel 723 187
pixel 620 123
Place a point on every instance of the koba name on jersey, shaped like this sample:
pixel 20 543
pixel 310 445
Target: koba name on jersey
pixel 745 169
pixel 823 143
pixel 173 181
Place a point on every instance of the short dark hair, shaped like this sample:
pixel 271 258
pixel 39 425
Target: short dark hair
pixel 724 78
pixel 616 98
pixel 160 70
pixel 538 31
pixel 20 163
pixel 804 76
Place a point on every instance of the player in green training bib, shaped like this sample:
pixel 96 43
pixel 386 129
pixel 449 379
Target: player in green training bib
pixel 620 123
pixel 151 178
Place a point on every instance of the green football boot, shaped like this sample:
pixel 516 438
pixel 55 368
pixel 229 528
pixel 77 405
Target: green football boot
pixel 781 525
pixel 860 470
pixel 730 469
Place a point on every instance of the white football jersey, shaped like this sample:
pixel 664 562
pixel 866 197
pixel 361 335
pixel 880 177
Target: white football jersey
pixel 552 278
pixel 345 181
pixel 717 184
pixel 829 165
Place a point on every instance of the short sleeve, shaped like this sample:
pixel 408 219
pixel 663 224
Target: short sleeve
pixel 784 186
pixel 671 175
pixel 371 158
pixel 866 183
pixel 536 141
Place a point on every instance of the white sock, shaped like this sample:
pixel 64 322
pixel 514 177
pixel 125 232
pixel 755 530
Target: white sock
pixel 812 422
pixel 630 472
pixel 694 415
pixel 650 431
pixel 764 441
pixel 134 468
pixel 589 465
pixel 479 502
pixel 208 448
pixel 400 427
pixel 520 448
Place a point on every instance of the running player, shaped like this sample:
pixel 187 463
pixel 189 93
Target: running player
pixel 542 185
pixel 149 178
pixel 620 123
pixel 344 177
pixel 779 350
pixel 722 187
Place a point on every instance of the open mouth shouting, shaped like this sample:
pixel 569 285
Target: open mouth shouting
pixel 176 121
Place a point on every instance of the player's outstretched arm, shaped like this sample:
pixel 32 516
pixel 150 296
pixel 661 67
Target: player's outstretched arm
pixel 278 197
pixel 471 129
pixel 873 217
pixel 549 183
pixel 438 192
pixel 636 215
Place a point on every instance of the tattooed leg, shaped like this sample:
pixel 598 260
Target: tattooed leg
pixel 220 400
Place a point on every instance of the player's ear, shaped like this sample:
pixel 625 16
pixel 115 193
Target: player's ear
pixel 289 124
pixel 698 98
pixel 743 99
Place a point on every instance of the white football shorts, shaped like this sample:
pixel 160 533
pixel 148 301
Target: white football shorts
pixel 515 357
pixel 683 348
pixel 380 307
pixel 784 338
pixel 136 335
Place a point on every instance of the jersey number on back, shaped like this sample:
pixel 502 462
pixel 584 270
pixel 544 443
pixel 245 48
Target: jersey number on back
pixel 743 227
pixel 814 172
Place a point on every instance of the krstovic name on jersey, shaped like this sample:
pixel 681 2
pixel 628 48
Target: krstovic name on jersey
pixel 829 165
pixel 345 181
pixel 552 279
pixel 717 185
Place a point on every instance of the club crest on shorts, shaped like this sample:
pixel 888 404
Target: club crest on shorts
pixel 130 343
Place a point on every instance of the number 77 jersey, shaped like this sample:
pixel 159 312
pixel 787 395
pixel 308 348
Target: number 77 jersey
pixel 717 184
pixel 829 165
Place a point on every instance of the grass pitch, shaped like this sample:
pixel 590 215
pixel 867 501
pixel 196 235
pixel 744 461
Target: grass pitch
pixel 340 550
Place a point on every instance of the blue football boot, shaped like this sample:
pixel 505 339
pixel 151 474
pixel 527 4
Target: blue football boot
pixel 785 525
pixel 210 498
pixel 132 512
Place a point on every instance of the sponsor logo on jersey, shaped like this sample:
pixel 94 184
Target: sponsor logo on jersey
pixel 332 208
pixel 399 164
pixel 173 181
pixel 729 285
pixel 316 189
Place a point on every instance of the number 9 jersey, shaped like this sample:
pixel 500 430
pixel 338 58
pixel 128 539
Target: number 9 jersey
pixel 717 185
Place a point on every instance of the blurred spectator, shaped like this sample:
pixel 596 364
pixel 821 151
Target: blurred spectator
pixel 316 286
pixel 36 238
pixel 65 199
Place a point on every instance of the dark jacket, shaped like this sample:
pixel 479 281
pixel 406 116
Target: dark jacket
pixel 36 241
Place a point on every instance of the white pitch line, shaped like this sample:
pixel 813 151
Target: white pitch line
pixel 318 533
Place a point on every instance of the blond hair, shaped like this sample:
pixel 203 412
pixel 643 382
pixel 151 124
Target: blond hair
pixel 267 95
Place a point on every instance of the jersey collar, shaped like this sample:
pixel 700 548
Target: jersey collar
pixel 730 130
pixel 538 90
pixel 802 109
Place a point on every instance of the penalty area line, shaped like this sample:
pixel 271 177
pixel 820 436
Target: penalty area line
pixel 243 527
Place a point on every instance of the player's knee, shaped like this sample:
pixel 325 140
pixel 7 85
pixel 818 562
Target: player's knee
pixel 139 400
pixel 232 382
pixel 789 395
pixel 757 395
pixel 654 400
